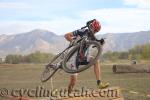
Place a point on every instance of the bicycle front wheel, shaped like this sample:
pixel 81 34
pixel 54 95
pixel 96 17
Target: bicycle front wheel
pixel 92 53
pixel 51 69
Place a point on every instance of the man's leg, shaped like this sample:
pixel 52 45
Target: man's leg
pixel 73 79
pixel 97 71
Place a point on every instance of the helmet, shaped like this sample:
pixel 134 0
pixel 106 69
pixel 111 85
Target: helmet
pixel 95 26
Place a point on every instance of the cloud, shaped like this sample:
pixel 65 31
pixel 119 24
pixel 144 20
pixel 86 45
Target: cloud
pixel 120 20
pixel 14 5
pixel 138 3
pixel 58 25
pixel 112 20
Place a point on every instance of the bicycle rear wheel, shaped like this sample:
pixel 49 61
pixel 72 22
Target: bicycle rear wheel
pixel 51 68
pixel 69 62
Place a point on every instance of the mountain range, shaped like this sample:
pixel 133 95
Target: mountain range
pixel 46 41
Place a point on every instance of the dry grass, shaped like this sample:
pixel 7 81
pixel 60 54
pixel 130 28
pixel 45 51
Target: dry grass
pixel 28 76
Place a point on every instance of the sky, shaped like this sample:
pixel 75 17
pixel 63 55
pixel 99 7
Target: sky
pixel 62 16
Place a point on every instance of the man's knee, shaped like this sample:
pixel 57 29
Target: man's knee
pixel 97 63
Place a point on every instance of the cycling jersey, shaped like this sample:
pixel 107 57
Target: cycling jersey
pixel 80 32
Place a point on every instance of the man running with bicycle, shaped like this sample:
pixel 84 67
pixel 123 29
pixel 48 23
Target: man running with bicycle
pixel 95 27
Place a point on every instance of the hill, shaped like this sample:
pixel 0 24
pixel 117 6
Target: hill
pixel 46 41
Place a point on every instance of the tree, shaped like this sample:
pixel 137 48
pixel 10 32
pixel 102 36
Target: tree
pixel 146 51
pixel 13 59
pixel 36 57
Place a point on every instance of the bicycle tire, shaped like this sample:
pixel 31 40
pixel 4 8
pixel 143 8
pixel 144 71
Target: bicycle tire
pixel 43 79
pixel 66 69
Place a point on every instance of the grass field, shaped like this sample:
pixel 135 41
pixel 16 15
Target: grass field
pixel 134 86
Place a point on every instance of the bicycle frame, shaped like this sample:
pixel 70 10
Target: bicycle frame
pixel 78 44
pixel 73 44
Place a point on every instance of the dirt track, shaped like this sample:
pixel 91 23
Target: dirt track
pixel 112 93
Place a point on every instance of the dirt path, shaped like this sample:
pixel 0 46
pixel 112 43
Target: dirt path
pixel 111 93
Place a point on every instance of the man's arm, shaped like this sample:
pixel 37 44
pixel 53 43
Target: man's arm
pixel 69 36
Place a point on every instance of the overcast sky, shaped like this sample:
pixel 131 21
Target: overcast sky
pixel 61 16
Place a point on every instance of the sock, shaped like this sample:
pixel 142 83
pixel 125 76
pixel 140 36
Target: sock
pixel 98 82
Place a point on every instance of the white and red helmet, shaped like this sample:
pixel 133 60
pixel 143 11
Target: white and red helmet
pixel 95 26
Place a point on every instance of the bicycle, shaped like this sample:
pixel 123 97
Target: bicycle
pixel 62 60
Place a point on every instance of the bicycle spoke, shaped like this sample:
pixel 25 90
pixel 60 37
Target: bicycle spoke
pixel 77 62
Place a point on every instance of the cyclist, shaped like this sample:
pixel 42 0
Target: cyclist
pixel 94 27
